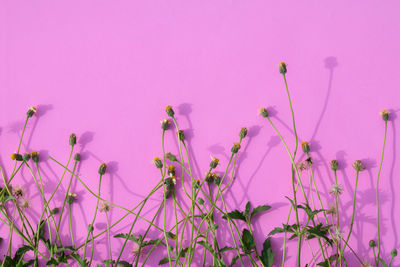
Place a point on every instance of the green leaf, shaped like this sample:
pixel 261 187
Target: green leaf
pixel 259 209
pixel 235 215
pixel 286 228
pixel 222 250
pixel 7 198
pixel 126 236
pixel 267 255
pixel 246 212
pixel 52 261
pixel 21 252
pixel 60 249
pixel 124 264
pixel 248 241
pixel 207 246
pixel 23 263
pixel 108 262
pixel 383 262
pixel 165 260
pixel 182 253
pixel 319 231
pixel 79 260
pixel 325 263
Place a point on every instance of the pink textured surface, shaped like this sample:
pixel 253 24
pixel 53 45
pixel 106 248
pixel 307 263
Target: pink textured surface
pixel 105 70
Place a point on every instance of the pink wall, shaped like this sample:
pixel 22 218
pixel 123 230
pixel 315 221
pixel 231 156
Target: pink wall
pixel 105 70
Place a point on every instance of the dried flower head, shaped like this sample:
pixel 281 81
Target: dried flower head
pixel 181 135
pixel 169 111
pixel 171 156
pixel 35 156
pixel 358 166
pixel 282 68
pixel 16 156
pixel 334 165
pixel 18 191
pixel 372 243
pixel 157 161
pixel 31 111
pixel 216 178
pixel 331 209
pixel 71 197
pixel 72 139
pixel 102 169
pixel 263 112
pixel 366 263
pixel 243 132
pixel 309 161
pixel 305 146
pixel 302 165
pixel 338 233
pixel 235 148
pixel 209 177
pixel 214 162
pixel 136 251
pixel 24 203
pixel 105 206
pixel 165 124
pixel 385 115
pixel 171 170
pixel 336 189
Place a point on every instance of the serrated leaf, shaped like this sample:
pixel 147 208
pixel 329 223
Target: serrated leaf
pixel 222 250
pixel 21 252
pixel 126 236
pixel 248 241
pixel 124 264
pixel 182 253
pixel 235 215
pixel 165 260
pixel 325 263
pixel 246 212
pixel 259 209
pixel 267 255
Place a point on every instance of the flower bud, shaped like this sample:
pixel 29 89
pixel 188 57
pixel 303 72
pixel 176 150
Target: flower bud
pixel 235 148
pixel 54 211
pixel 17 157
pixel 334 165
pixel 282 68
pixel 171 235
pixel 31 111
pixel 157 161
pixel 216 179
pixel 263 112
pixel 214 163
pixel 171 157
pixel 102 169
pixel 243 132
pixel 358 166
pixel 169 111
pixel 306 147
pixel 72 139
pixel 165 124
pixel 372 244
pixel 171 170
pixel 201 201
pixel 181 135
pixel 26 157
pixel 196 183
pixel 90 228
pixel 393 252
pixel 35 156
pixel 71 197
pixel 385 115
pixel 77 157
pixel 209 177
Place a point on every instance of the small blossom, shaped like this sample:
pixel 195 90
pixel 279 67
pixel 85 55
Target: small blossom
pixel 18 192
pixel 334 165
pixel 336 190
pixel 302 165
pixel 309 161
pixel 358 166
pixel 157 161
pixel 282 68
pixel 71 197
pixel 372 244
pixel 24 203
pixel 214 162
pixel 169 111
pixel 105 207
pixel 305 146
pixel 385 115
pixel 366 263
pixel 77 157
pixel 31 111
pixel 102 169
pixel 331 209
pixel 181 135
pixel 235 148
pixel 35 156
pixel 263 112
pixel 209 177
pixel 171 157
pixel 16 156
pixel 72 139
pixel 173 180
pixel 171 170
pixel 243 132
pixel 165 124
pixel 216 179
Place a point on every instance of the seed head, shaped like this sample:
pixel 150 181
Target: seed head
pixel 243 132
pixel 157 161
pixel 214 163
pixel 216 179
pixel 263 112
pixel 31 111
pixel 235 148
pixel 385 115
pixel 18 191
pixel 358 166
pixel 77 157
pixel 17 157
pixel 338 234
pixel 334 165
pixel 165 124
pixel 24 203
pixel 171 157
pixel 305 146
pixel 169 111
pixel 372 244
pixel 181 135
pixel 26 157
pixel 71 197
pixel 171 170
pixel 282 68
pixel 105 207
pixel 35 156
pixel 336 190
pixel 302 165
pixel 102 169
pixel 393 253
pixel 209 177
pixel 331 209
pixel 72 139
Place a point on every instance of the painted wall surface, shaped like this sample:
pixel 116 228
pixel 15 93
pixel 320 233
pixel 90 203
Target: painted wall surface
pixel 105 70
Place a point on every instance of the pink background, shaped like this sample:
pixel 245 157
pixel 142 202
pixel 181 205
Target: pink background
pixel 106 69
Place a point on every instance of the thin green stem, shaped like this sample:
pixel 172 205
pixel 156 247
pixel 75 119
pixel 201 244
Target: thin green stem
pixel 70 225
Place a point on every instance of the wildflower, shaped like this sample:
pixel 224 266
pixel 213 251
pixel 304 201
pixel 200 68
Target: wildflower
pixel 31 111
pixel 372 244
pixel 169 111
pixel 136 250
pixel 71 197
pixel 181 135
pixel 105 207
pixel 72 139
pixel 165 124
pixel 331 209
pixel 263 112
pixel 338 234
pixel 393 253
pixel 196 183
pixel 171 170
pixel 385 115
pixel 157 161
pixel 24 203
pixel 309 161
pixel 302 165
pixel 173 180
pixel 358 166
pixel 216 179
pixel 77 157
pixel 336 190
pixel 282 68
pixel 243 132
pixel 18 192
pixel 214 162
pixel 171 157
pixel 16 156
pixel 305 146
pixel 102 169
pixel 209 177
pixel 334 165
pixel 35 156
pixel 26 157
pixel 235 148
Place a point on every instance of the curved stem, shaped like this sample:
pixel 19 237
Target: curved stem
pixel 70 226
